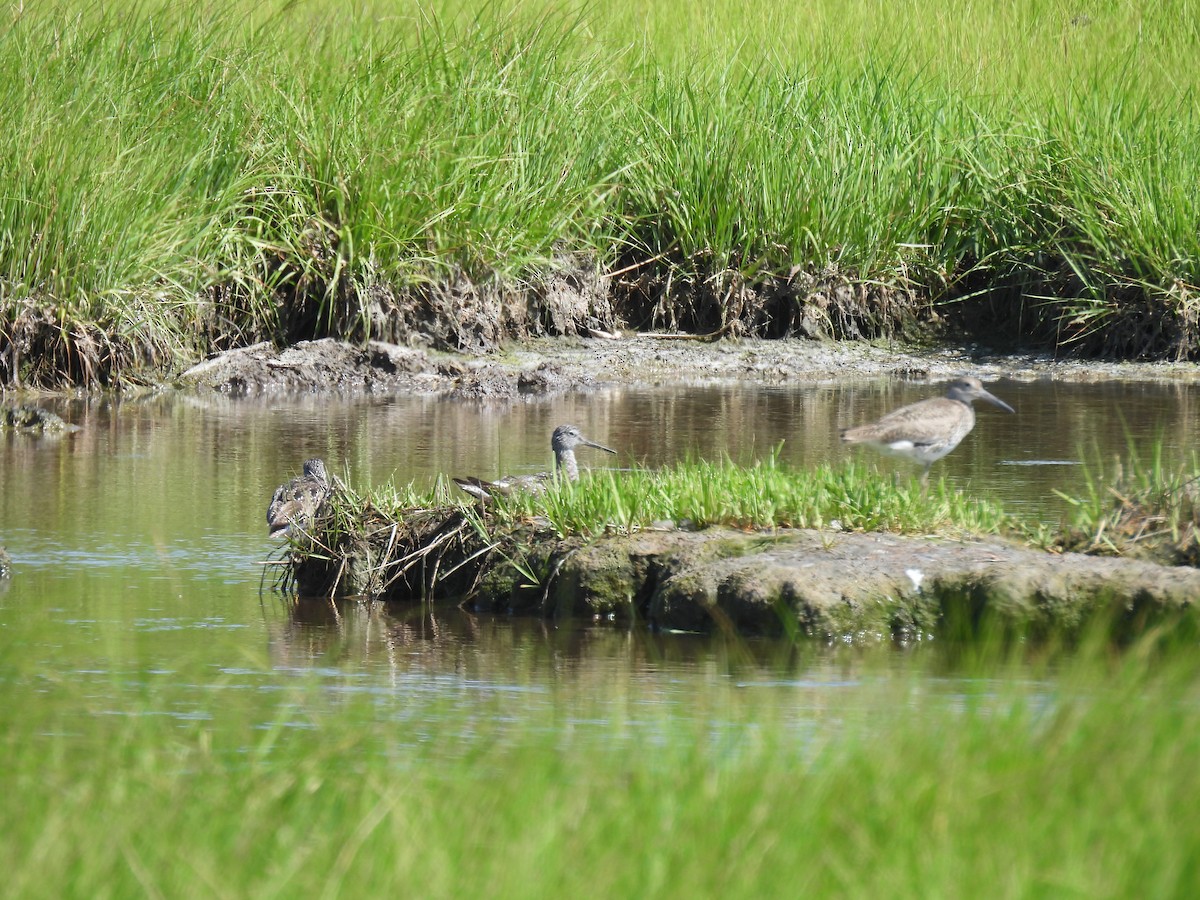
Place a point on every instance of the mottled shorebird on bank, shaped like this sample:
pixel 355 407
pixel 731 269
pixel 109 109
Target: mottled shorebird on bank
pixel 563 442
pixel 296 502
pixel 929 429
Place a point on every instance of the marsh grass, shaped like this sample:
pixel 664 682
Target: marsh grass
pixel 183 178
pixel 1138 505
pixel 766 494
pixel 1078 780
pixel 437 541
pixel 405 543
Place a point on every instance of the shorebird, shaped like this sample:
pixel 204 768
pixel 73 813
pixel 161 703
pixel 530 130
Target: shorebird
pixel 563 442
pixel 929 429
pixel 296 502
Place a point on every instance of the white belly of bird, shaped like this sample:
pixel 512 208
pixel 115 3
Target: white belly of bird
pixel 922 453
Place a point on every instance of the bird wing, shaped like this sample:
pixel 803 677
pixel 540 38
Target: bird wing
pixel 277 501
pixel 920 424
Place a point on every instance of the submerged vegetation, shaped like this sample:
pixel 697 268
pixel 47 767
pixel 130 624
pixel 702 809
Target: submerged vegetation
pixel 184 178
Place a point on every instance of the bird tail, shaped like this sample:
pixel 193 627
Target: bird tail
pixel 476 487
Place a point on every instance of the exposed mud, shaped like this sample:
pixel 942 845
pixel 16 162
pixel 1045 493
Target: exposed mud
pixel 568 298
pixel 548 366
pixel 822 584
pixel 856 585
pixel 335 367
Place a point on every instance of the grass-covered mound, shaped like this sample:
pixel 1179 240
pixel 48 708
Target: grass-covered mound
pixel 835 551
pixel 183 178
pixel 406 544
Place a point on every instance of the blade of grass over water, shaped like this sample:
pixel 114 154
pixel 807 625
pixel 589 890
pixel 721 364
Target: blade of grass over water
pixel 179 178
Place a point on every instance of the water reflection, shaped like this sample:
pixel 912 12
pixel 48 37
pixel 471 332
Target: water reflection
pixel 499 648
pixel 137 540
pixel 453 656
pixel 170 467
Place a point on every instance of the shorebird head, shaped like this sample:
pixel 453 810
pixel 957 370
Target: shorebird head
pixel 315 468
pixel 568 437
pixel 967 389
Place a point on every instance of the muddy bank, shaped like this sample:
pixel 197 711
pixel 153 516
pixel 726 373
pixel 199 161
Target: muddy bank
pixel 639 325
pixel 335 367
pixel 860 585
pixel 824 584
pixel 548 366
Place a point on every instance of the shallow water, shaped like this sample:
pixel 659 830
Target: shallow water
pixel 137 542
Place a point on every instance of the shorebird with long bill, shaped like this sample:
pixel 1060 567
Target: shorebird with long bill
pixel 929 429
pixel 563 442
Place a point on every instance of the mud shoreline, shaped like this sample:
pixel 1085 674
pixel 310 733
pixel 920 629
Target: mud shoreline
pixel 559 365
pixel 830 585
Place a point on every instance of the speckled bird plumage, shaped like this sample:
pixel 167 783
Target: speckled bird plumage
pixel 296 502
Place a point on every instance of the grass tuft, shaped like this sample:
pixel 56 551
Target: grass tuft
pixel 1138 506
pixel 768 494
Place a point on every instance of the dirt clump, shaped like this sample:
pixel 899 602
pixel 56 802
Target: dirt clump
pixel 29 418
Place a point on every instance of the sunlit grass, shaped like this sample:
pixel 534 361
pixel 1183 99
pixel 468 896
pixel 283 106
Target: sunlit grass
pixel 1135 505
pixel 305 170
pixel 1138 504
pixel 848 496
pixel 1078 781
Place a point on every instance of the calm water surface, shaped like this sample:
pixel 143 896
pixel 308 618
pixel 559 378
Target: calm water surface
pixel 138 540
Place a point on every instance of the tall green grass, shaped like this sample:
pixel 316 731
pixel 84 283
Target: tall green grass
pixel 1081 781
pixel 186 177
pixel 767 494
pixel 701 493
pixel 1136 504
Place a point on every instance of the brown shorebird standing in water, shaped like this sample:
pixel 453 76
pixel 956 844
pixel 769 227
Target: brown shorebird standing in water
pixel 929 429
pixel 296 502
pixel 563 442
